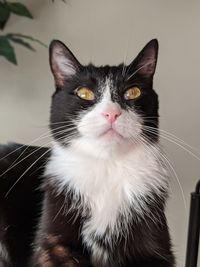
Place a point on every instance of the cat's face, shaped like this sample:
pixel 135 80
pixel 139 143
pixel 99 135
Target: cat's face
pixel 103 108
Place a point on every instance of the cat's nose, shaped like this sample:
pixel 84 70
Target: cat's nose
pixel 112 115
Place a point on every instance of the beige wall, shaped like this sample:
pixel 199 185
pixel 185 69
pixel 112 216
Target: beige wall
pixel 105 32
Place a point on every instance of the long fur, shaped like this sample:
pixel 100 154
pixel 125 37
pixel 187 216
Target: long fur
pixel 105 186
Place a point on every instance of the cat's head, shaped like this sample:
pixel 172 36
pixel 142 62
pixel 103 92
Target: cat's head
pixel 104 108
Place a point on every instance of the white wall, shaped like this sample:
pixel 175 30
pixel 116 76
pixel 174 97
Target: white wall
pixel 108 31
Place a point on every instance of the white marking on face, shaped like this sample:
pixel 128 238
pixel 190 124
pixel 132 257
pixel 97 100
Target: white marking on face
pixel 98 135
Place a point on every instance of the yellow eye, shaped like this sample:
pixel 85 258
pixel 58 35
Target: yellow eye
pixel 132 93
pixel 85 93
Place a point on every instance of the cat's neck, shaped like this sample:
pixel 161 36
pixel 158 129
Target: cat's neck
pixel 112 191
pixel 140 171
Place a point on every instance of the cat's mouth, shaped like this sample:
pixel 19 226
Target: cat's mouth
pixel 111 133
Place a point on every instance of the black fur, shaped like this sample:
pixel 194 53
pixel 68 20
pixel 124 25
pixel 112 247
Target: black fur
pixel 58 242
pixel 20 208
pixel 66 106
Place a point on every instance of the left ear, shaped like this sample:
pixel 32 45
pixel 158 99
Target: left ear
pixel 63 63
pixel 145 63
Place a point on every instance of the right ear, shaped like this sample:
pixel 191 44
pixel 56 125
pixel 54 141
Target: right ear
pixel 63 63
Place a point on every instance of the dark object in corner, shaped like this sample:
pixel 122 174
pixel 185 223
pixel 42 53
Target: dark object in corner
pixel 193 229
pixel 20 198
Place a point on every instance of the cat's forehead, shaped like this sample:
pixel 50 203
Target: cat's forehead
pixel 103 71
pixel 106 76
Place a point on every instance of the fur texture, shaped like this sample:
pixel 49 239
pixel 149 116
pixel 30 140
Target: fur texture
pixel 113 201
pixel 20 206
pixel 105 179
pixel 105 184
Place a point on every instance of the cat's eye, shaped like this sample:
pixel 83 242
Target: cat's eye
pixel 132 93
pixel 85 93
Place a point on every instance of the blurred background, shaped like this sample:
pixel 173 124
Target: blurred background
pixel 109 32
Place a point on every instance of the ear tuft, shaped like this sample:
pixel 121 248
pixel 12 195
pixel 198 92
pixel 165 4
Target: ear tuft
pixel 145 63
pixel 63 63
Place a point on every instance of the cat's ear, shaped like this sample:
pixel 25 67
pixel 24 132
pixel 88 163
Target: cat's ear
pixel 63 63
pixel 145 63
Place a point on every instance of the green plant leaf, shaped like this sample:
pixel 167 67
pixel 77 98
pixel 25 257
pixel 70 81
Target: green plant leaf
pixel 13 35
pixel 4 15
pixel 19 9
pixel 22 42
pixel 6 50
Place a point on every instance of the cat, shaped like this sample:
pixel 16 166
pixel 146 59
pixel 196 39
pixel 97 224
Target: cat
pixel 103 185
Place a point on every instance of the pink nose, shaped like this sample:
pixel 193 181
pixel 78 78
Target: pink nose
pixel 111 115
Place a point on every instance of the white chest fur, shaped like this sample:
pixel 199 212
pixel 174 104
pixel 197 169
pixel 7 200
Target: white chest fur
pixel 108 187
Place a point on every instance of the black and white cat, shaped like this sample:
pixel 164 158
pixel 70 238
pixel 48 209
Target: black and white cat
pixel 105 184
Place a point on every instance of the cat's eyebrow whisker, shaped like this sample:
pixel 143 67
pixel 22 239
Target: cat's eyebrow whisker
pixel 124 66
pixel 125 57
pixel 143 66
pixel 124 69
pixel 128 67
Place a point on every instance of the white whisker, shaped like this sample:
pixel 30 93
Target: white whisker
pixel 26 172
pixel 164 157
pixel 143 66
pixel 172 140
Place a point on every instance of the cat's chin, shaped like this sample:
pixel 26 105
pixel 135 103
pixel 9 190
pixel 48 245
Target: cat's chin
pixel 110 144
